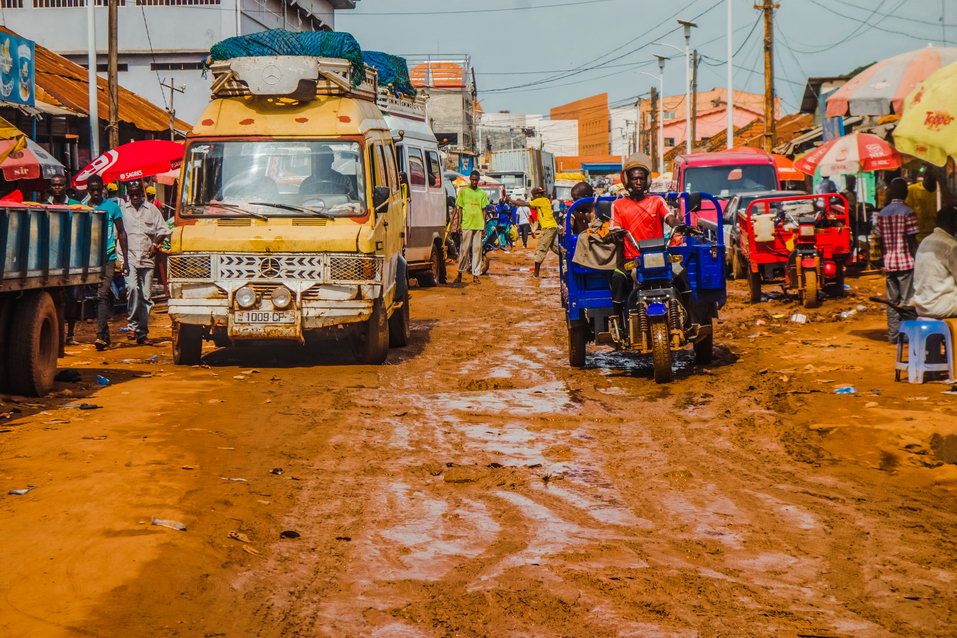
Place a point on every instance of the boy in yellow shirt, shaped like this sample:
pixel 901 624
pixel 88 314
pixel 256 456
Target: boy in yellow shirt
pixel 548 240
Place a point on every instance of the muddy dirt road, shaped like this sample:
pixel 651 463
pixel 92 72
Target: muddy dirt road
pixel 475 485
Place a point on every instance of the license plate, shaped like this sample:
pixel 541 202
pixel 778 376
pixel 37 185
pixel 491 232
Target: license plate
pixel 263 317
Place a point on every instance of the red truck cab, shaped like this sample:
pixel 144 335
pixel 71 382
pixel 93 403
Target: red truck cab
pixel 723 175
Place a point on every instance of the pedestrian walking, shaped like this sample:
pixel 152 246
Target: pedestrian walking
pixel 115 233
pixel 523 218
pixel 470 205
pixel 897 228
pixel 146 231
pixel 57 194
pixel 546 218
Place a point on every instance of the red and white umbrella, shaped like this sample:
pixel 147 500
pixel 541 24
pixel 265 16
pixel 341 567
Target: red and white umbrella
pixel 851 154
pixel 31 162
pixel 881 88
pixel 133 161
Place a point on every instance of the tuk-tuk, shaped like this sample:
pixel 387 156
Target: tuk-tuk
pixel 678 285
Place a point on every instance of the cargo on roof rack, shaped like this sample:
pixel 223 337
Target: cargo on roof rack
pixel 412 108
pixel 298 77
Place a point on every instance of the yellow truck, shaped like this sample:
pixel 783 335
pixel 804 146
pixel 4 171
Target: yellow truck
pixel 290 221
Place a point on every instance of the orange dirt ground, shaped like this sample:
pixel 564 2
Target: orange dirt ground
pixel 476 485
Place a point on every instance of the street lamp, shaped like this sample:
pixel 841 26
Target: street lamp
pixel 687 51
pixel 661 110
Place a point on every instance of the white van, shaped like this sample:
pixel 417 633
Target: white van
pixel 418 157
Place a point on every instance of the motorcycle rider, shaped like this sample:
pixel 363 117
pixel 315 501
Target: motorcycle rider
pixel 640 215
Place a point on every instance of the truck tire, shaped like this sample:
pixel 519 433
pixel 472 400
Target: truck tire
pixel 754 287
pixel 400 324
pixel 809 292
pixel 371 342
pixel 436 273
pixel 704 349
pixel 187 344
pixel 737 263
pixel 577 336
pixel 31 358
pixel 661 352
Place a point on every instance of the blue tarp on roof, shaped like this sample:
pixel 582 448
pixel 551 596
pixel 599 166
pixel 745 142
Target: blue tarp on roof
pixel 325 44
pixel 393 72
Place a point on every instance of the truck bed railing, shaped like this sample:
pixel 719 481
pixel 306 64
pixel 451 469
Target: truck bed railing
pixel 297 76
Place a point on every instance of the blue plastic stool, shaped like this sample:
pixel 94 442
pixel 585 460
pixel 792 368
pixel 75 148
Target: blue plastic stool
pixel 921 335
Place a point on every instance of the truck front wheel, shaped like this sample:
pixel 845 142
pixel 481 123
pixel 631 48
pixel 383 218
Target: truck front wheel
pixel 187 344
pixel 400 324
pixel 31 358
pixel 371 342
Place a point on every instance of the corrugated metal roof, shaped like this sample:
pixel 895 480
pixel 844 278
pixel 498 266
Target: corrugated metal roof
pixel 62 83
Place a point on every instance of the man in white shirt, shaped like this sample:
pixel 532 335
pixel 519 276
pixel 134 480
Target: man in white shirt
pixel 935 269
pixel 523 219
pixel 146 230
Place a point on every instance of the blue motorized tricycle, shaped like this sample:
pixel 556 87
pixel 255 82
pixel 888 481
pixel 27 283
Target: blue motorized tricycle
pixel 677 287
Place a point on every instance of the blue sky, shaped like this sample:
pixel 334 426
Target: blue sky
pixel 531 55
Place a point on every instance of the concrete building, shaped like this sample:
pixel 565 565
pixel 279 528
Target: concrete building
pixel 164 40
pixel 449 82
pixel 625 130
pixel 504 131
pixel 594 123
pixel 711 115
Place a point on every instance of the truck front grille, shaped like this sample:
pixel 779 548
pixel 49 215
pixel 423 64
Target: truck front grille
pixel 319 268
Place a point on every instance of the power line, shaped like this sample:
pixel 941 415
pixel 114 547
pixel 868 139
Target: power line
pixel 934 23
pixel 149 41
pixel 486 10
pixel 856 19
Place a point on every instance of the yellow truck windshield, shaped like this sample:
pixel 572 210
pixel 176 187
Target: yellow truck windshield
pixel 273 178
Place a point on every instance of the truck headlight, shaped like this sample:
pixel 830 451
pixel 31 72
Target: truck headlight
pixel 245 297
pixel 281 297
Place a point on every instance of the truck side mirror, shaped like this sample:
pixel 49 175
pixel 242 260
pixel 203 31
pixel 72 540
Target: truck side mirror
pixel 694 202
pixel 380 197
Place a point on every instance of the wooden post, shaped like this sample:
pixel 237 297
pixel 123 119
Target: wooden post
pixel 769 133
pixel 111 76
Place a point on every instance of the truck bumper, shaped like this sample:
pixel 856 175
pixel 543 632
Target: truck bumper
pixel 311 315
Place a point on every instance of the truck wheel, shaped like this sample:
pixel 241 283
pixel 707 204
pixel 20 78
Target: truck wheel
pixel 661 352
pixel 187 344
pixel 704 349
pixel 400 324
pixel 754 287
pixel 577 336
pixel 809 293
pixel 737 264
pixel 371 344
pixel 31 358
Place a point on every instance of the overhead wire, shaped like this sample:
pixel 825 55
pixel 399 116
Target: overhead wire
pixel 485 10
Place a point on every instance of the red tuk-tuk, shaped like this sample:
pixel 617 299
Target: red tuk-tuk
pixel 803 239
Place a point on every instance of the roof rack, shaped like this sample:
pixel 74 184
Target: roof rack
pixel 412 108
pixel 299 77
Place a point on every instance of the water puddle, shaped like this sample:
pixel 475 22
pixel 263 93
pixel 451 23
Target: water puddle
pixel 601 507
pixel 616 361
pixel 548 398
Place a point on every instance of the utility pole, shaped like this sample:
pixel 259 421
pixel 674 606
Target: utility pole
pixel 173 90
pixel 694 98
pixel 769 133
pixel 94 109
pixel 730 100
pixel 111 72
pixel 688 25
pixel 654 126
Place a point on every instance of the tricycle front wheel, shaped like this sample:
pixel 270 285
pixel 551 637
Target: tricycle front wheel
pixel 809 292
pixel 661 352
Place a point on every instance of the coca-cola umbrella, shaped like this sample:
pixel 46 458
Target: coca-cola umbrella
pixel 30 162
pixel 133 161
pixel 851 154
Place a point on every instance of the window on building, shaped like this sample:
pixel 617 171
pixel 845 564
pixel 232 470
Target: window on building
pixel 105 68
pixel 173 3
pixel 57 4
pixel 670 115
pixel 11 4
pixel 176 66
pixel 669 141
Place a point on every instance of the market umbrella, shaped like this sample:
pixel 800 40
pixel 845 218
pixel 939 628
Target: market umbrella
pixel 786 170
pixel 881 88
pixel 133 161
pixel 12 139
pixel 851 154
pixel 928 127
pixel 30 162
